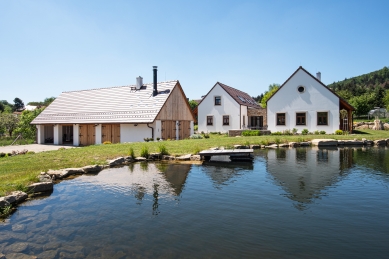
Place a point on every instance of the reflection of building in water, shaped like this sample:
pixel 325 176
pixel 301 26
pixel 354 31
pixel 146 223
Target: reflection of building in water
pixel 222 173
pixel 305 172
pixel 158 180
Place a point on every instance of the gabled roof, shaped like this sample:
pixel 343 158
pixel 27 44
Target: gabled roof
pixel 240 97
pixel 123 104
pixel 342 101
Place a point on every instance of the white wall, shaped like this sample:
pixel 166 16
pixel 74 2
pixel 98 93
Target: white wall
pixel 316 98
pixel 76 134
pixel 57 134
pixel 228 107
pixel 98 134
pixel 157 129
pixel 40 134
pixel 243 114
pixel 131 133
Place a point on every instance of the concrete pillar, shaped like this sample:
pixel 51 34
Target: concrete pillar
pixel 177 130
pixel 40 132
pixel 98 133
pixel 191 128
pixel 76 135
pixel 57 134
pixel 157 131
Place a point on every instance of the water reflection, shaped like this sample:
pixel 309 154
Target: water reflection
pixel 225 173
pixel 305 173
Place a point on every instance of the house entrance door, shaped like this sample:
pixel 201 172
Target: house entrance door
pixel 110 132
pixel 256 122
pixel 168 129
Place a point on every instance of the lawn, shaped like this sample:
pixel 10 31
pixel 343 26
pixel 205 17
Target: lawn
pixel 18 171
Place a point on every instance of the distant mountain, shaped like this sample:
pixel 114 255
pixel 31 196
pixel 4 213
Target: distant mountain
pixel 364 92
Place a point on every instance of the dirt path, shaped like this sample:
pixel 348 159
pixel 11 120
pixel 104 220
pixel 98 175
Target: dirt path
pixel 32 147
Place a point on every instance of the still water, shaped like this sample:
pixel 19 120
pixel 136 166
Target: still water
pixel 290 203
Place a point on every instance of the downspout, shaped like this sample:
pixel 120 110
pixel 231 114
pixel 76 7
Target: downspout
pixel 240 116
pixel 152 131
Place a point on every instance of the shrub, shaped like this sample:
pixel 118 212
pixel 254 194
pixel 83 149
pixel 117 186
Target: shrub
pixel 107 142
pixel 206 135
pixel 131 152
pixel 322 132
pixel 158 139
pixel 276 133
pixel 316 132
pixel 246 143
pixel 294 130
pixel 305 131
pixel 163 150
pixel 2 154
pixel 287 132
pixel 339 132
pixel 251 133
pixel 278 141
pixel 30 152
pixel 146 139
pixel 196 136
pixel 144 152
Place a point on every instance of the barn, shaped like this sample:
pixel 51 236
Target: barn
pixel 117 114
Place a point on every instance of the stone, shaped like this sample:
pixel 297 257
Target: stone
pixel 129 159
pixel 263 146
pixel 43 177
pixel 324 142
pixel 369 142
pixel 241 147
pixel 48 254
pixel 386 126
pixel 294 144
pixel 255 146
pixel 195 158
pixel 305 144
pixel 59 174
pixel 165 157
pixel 116 161
pixel 380 142
pixel 92 169
pixel 4 202
pixel 353 142
pixel 272 146
pixel 17 247
pixel 2 256
pixel 155 156
pixel 20 256
pixel 283 145
pixel 140 159
pixel 41 187
pixel 14 197
pixel 184 157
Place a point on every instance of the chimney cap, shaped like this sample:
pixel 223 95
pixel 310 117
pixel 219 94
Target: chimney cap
pixel 155 67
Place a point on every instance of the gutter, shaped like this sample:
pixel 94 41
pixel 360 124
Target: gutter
pixel 152 131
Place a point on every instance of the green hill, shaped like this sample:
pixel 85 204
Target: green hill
pixel 366 91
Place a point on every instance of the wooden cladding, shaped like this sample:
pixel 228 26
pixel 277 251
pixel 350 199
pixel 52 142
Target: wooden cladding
pixel 169 129
pixel 110 132
pixel 87 134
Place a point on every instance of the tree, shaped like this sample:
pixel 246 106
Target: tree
pixel 385 100
pixel 193 104
pixel 9 122
pixel 1 107
pixel 18 104
pixel 24 127
pixel 272 89
pixel 48 101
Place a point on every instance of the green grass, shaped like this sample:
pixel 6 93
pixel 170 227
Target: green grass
pixel 19 171
pixel 6 141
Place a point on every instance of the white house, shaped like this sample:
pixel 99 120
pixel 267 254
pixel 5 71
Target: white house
pixel 225 108
pixel 304 102
pixel 117 114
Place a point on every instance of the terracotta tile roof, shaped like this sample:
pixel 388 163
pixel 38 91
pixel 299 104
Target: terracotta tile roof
pixel 123 104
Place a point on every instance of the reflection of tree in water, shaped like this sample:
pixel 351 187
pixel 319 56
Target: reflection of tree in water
pixel 225 173
pixel 155 200
pixel 139 193
pixel 144 166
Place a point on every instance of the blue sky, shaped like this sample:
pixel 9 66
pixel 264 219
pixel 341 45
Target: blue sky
pixel 48 47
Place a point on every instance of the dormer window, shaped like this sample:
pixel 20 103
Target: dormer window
pixel 218 100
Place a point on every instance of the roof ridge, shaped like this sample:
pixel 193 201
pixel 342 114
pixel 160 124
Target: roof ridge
pixel 234 88
pixel 110 87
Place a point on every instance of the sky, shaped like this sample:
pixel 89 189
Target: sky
pixel 48 47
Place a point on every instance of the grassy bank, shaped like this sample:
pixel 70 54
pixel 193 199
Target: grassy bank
pixel 6 141
pixel 18 171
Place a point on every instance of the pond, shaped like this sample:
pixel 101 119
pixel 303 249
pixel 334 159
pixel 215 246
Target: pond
pixel 290 203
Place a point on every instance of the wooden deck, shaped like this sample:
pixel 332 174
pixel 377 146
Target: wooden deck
pixel 234 154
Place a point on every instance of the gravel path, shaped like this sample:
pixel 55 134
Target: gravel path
pixel 32 147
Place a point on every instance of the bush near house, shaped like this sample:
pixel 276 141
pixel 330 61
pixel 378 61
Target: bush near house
pixel 251 133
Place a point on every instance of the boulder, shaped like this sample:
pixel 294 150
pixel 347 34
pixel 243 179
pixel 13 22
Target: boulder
pixel 41 187
pixel 63 173
pixel 380 142
pixel 14 197
pixel 116 161
pixel 386 126
pixel 272 146
pixel 43 177
pixel 92 169
pixel 165 157
pixel 294 144
pixel 263 146
pixel 140 159
pixel 184 157
pixel 305 144
pixel 324 142
pixel 283 145
pixel 255 146
pixel 195 158
pixel 241 147
pixel 2 256
pixel 155 156
pixel 129 159
pixel 369 142
pixel 4 202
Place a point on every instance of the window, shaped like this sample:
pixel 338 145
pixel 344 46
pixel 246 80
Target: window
pixel 218 100
pixel 280 118
pixel 301 89
pixel 322 118
pixel 209 120
pixel 226 120
pixel 300 118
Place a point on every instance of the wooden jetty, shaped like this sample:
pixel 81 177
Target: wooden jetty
pixel 233 154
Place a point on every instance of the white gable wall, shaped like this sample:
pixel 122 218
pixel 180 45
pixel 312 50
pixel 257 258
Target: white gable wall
pixel 132 133
pixel 228 106
pixel 316 98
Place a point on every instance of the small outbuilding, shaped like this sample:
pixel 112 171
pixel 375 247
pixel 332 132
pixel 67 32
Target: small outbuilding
pixel 117 114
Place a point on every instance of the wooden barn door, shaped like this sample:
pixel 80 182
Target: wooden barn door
pixel 184 129
pixel 87 134
pixel 168 129
pixel 110 132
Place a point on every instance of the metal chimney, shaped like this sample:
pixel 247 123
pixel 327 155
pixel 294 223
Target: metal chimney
pixel 318 76
pixel 139 82
pixel 155 90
